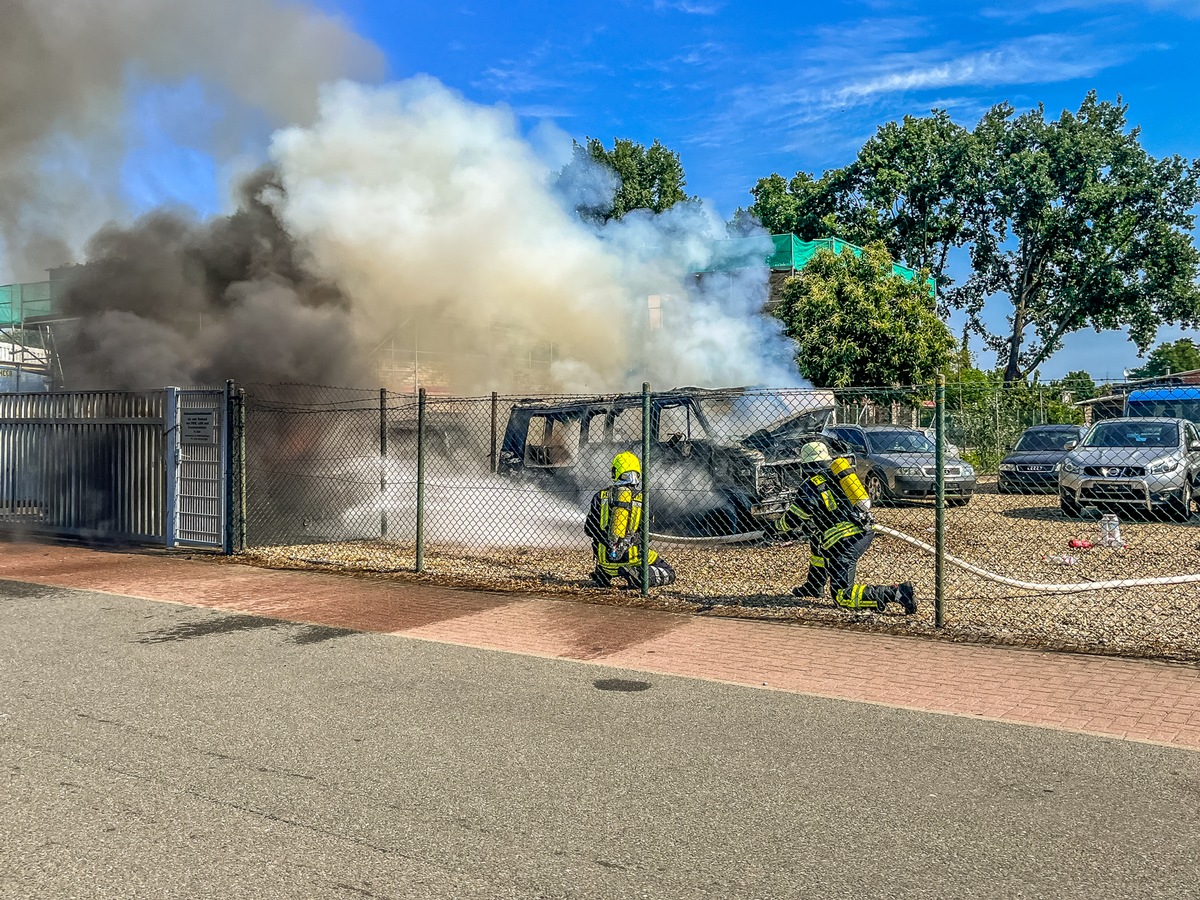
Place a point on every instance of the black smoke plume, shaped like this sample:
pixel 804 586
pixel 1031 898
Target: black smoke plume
pixel 172 300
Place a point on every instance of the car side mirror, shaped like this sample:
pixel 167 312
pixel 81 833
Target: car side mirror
pixel 1008 448
pixel 1194 445
pixel 1070 445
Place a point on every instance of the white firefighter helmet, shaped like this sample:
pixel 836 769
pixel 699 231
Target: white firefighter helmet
pixel 815 452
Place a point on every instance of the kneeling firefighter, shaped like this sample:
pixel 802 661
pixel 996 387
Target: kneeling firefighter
pixel 834 511
pixel 614 525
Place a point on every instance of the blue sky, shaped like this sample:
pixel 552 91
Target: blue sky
pixel 742 90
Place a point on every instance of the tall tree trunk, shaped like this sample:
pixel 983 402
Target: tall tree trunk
pixel 1012 370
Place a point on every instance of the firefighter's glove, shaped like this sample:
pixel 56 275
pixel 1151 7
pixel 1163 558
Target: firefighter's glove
pixel 863 518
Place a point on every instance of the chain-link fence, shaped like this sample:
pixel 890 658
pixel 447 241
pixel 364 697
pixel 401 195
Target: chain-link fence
pixel 493 492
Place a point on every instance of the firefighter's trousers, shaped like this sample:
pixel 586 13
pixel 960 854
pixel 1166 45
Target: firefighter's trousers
pixel 661 572
pixel 836 566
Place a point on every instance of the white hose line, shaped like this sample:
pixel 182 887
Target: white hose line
pixel 707 541
pixel 1034 585
pixel 954 560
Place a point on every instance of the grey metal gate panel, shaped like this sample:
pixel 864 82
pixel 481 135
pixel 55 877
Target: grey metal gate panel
pixel 197 478
pixel 83 464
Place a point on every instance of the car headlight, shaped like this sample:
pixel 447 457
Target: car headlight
pixel 1163 466
pixel 909 471
pixel 1004 467
pixel 1068 466
pixel 969 471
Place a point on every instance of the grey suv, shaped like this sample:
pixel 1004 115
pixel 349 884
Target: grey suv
pixel 897 463
pixel 1148 464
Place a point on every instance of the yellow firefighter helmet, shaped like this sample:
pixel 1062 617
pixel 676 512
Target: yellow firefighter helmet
pixel 626 467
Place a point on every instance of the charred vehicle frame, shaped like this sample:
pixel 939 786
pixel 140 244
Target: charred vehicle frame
pixel 722 461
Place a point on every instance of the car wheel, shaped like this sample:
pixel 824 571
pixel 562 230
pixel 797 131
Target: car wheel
pixel 876 490
pixel 1179 507
pixel 1069 507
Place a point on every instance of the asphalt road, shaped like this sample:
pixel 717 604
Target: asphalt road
pixel 160 751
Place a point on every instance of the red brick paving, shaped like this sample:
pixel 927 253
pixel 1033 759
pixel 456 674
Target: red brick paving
pixel 1132 699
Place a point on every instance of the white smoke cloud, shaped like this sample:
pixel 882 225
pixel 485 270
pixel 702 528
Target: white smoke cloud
pixel 437 219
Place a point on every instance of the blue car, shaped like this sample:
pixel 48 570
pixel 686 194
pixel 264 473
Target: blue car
pixel 1031 467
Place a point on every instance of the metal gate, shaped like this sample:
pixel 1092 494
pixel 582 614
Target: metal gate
pixel 197 466
pixel 86 464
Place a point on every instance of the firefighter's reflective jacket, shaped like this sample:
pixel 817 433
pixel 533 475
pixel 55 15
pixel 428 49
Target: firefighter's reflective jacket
pixel 823 509
pixel 614 524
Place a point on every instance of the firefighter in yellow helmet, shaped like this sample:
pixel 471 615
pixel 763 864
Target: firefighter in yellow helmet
pixel 833 510
pixel 614 524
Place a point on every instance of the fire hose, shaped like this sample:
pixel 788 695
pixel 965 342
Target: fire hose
pixel 1076 587
pixel 1036 585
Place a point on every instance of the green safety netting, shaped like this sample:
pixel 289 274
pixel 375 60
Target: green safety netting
pixel 19 302
pixel 787 252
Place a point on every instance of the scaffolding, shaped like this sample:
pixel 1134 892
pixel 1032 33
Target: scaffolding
pixel 27 357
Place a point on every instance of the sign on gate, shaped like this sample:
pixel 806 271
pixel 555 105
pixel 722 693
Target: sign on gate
pixel 197 426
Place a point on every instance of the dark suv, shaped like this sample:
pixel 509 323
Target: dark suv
pixel 716 455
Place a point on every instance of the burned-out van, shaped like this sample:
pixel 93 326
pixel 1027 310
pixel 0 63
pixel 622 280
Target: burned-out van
pixel 720 460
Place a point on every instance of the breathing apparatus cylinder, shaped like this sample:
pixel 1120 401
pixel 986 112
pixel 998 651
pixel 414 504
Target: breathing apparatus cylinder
pixel 851 485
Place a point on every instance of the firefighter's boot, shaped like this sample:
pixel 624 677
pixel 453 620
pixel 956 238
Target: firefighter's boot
pixel 906 596
pixel 600 578
pixel 808 589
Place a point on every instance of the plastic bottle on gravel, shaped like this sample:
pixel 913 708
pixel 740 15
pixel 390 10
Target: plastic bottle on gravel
pixel 1061 559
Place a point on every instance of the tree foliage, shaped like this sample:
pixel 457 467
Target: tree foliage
pixel 901 190
pixel 1076 225
pixel 1181 356
pixel 799 206
pixel 855 322
pixel 606 184
pixel 1079 385
pixel 1069 222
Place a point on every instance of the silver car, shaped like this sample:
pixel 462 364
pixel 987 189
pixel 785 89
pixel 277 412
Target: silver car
pixel 896 463
pixel 1147 464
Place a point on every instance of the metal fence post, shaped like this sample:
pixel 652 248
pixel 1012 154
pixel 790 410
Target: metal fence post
pixel 383 525
pixel 241 468
pixel 172 456
pixel 227 429
pixel 420 480
pixel 939 463
pixel 645 488
pixel 495 421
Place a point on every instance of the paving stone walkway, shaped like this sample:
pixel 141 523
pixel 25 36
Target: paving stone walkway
pixel 1133 699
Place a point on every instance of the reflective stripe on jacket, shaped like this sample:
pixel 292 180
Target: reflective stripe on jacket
pixel 823 510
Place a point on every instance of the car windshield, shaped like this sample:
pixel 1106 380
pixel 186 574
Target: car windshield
pixel 1133 434
pixel 1046 440
pixel 899 441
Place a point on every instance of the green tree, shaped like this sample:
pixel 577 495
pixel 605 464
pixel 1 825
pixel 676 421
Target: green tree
pixel 606 184
pixel 799 206
pixel 1076 225
pixel 1181 356
pixel 1079 385
pixel 902 189
pixel 855 322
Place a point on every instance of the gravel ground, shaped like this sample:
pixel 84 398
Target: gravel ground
pixel 1009 535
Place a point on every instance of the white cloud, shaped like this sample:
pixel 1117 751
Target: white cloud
pixel 691 7
pixel 1039 58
